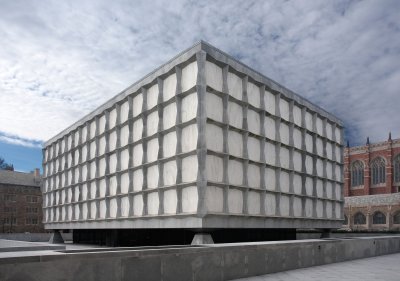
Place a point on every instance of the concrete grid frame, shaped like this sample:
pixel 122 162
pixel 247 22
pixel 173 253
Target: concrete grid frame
pixel 201 142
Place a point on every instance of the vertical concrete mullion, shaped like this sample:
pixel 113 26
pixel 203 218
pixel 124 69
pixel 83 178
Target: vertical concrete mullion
pixel 225 119
pixel 107 159
pixel 291 160
pixel 262 156
pixel 201 128
pixel 245 128
pixel 160 184
pixel 130 151
pixel 118 151
pixel 178 121
pixel 144 148
pixel 303 160
pixel 97 175
pixel 278 152
pixel 314 129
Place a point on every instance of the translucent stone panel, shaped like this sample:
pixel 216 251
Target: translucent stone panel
pixel 152 123
pixel 253 203
pixel 320 167
pixel 189 168
pixel 102 145
pixel 297 161
pixel 138 205
pixel 152 203
pixel 124 112
pixel 113 208
pixel 124 161
pixel 137 130
pixel 62 146
pixel 329 130
pixel 103 209
pixel 69 143
pixel 269 127
pixel 338 208
pixel 309 121
pixel 189 76
pixel 189 199
pixel 76 140
pixel 137 155
pixel 338 135
pixel 328 170
pixel 214 166
pixel 137 104
pixel 235 143
pixel 69 180
pixel 337 190
pixel 170 172
pixel 297 115
pixel 214 76
pixel 169 144
pixel 253 95
pixel 320 188
pixel 253 148
pixel 235 86
pixel 253 122
pixel 189 138
pixel 297 138
pixel 320 208
pixel 284 157
pixel 214 137
pixel 152 177
pixel 93 210
pixel 297 207
pixel 189 107
pixel 235 201
pixel 284 109
pixel 337 152
pixel 253 174
pixel 112 141
pixel 113 185
pixel 284 205
pixel 137 180
pixel 329 208
pixel 309 143
pixel 309 186
pixel 152 150
pixel 284 181
pixel 269 152
pixel 102 188
pixel 297 184
pixel 152 96
pixel 77 212
pixel 92 129
pixel 170 201
pixel 214 108
pixel 93 190
pixel 329 153
pixel 76 156
pixel 124 135
pixel 92 149
pixel 338 173
pixel 214 199
pixel 112 120
pixel 284 133
pixel 102 167
pixel 269 100
pixel 270 204
pixel 102 124
pixel 235 113
pixel 83 155
pixel 319 146
pixel 308 208
pixel 84 193
pixel 319 126
pixel 169 87
pixel 70 213
pixel 113 163
pixel 270 179
pixel 169 116
pixel 309 165
pixel 124 183
pixel 235 172
pixel 125 206
pixel 329 190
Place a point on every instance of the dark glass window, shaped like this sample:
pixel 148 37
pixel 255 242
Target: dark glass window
pixel 378 173
pixel 379 218
pixel 359 218
pixel 357 173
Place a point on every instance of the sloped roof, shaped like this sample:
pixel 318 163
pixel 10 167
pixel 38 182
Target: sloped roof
pixel 19 178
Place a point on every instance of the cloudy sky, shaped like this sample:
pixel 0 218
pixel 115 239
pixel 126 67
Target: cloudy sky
pixel 61 59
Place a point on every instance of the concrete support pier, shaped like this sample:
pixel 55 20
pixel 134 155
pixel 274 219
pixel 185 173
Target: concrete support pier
pixel 202 238
pixel 56 238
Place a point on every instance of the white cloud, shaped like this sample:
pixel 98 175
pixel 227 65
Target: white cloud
pixel 59 60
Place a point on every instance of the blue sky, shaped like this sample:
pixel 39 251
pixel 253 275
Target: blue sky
pixel 59 60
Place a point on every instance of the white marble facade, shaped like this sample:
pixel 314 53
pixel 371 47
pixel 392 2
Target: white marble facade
pixel 201 138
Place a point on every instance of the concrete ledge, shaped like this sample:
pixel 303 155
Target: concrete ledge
pixel 211 262
pixel 18 246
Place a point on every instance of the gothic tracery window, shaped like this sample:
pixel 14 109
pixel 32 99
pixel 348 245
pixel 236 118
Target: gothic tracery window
pixel 396 218
pixel 396 169
pixel 359 218
pixel 357 173
pixel 378 173
pixel 378 218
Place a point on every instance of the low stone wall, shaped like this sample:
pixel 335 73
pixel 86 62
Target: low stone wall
pixel 33 237
pixel 210 262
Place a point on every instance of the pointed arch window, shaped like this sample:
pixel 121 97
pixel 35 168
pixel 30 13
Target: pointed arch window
pixel 357 173
pixel 378 173
pixel 396 169
pixel 359 218
pixel 396 218
pixel 378 218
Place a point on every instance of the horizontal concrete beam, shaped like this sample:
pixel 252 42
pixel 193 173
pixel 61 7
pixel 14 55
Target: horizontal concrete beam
pixel 210 262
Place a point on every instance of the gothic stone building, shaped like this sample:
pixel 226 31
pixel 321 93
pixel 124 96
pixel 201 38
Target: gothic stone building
pixel 372 186
pixel 20 202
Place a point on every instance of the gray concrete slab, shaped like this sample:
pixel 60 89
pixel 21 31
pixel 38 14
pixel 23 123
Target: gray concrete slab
pixel 15 246
pixel 384 268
